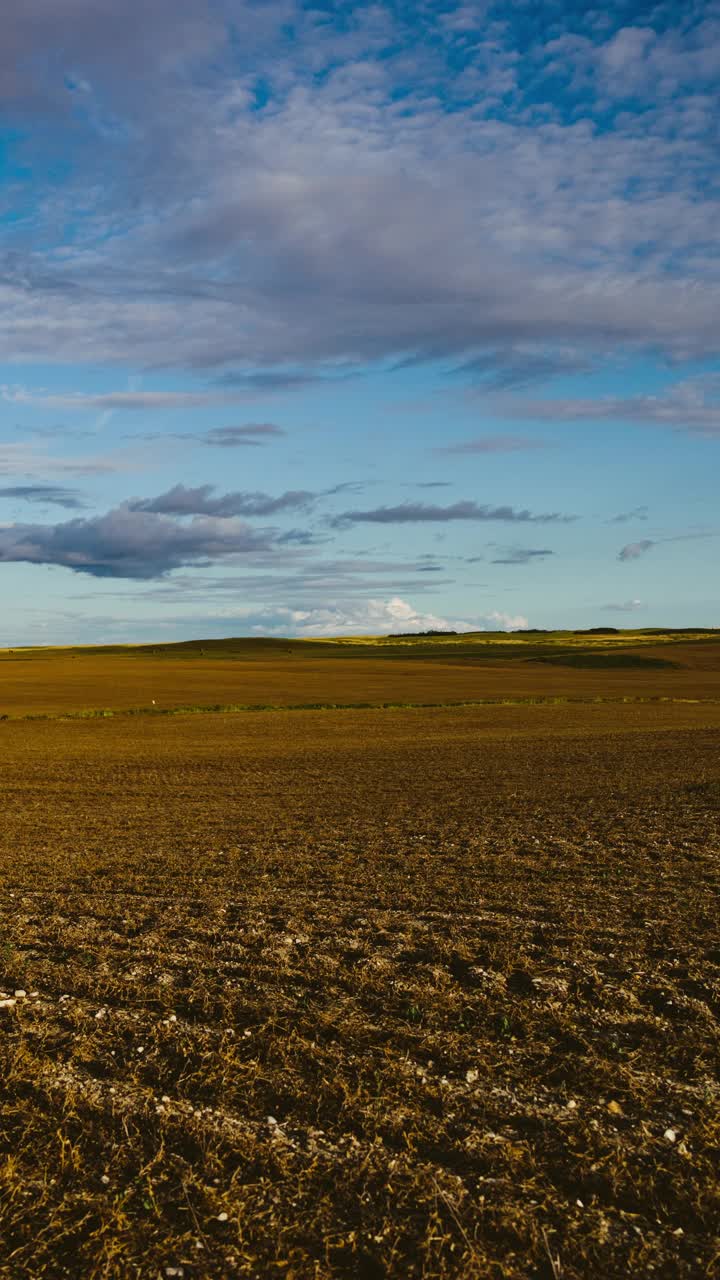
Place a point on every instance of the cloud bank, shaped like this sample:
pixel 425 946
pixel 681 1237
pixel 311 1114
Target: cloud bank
pixel 455 182
pixel 378 617
pixel 126 543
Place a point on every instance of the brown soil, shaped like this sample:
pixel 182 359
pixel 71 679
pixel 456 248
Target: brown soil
pixel 365 993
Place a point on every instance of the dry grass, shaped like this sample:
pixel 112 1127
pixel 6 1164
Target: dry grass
pixel 362 994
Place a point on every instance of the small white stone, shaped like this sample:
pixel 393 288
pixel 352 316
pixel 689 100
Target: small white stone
pixel 669 1135
pixel 173 1017
pixel 471 1076
pixel 272 1122
pixel 8 1004
pixel 580 1204
pixel 222 1217
pixel 571 1106
pixel 105 1180
pixel 20 994
pixel 140 1048
pixel 165 1098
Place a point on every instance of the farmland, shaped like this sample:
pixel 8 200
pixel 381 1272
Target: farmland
pixel 260 673
pixel 375 990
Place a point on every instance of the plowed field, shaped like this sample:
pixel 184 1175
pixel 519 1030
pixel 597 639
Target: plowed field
pixel 362 993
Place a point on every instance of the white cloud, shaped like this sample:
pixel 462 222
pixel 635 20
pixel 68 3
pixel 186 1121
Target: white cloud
pixel 378 617
pixel 625 606
pixel 633 550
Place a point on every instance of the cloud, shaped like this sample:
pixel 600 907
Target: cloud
pixel 43 493
pixel 249 435
pixel 301 578
pixel 516 364
pixel 383 616
pixel 493 444
pixel 181 501
pixel 691 405
pixel 553 204
pixel 29 460
pixel 521 555
pixel 129 544
pixel 132 401
pixel 623 517
pixel 421 512
pixel 625 606
pixel 377 617
pixel 634 550
pixel 43 38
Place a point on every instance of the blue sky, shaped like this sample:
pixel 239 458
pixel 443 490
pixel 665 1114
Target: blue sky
pixel 343 318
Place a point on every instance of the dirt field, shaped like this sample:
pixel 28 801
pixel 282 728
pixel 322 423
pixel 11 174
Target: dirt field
pixel 362 993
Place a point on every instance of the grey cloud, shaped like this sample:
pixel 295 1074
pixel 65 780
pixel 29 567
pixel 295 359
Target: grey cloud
pixel 634 550
pixel 420 512
pixel 181 501
pixel 515 240
pixel 520 365
pixel 296 576
pixel 27 459
pixel 133 401
pixel 624 517
pixel 691 405
pixel 129 544
pixel 270 380
pixel 43 40
pixel 251 434
pixel 493 444
pixel 521 555
pixel 51 494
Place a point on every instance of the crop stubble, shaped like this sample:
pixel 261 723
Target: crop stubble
pixel 362 993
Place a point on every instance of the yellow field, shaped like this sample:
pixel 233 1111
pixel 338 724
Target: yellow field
pixel 56 681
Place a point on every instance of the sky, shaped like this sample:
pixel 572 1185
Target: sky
pixel 349 318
